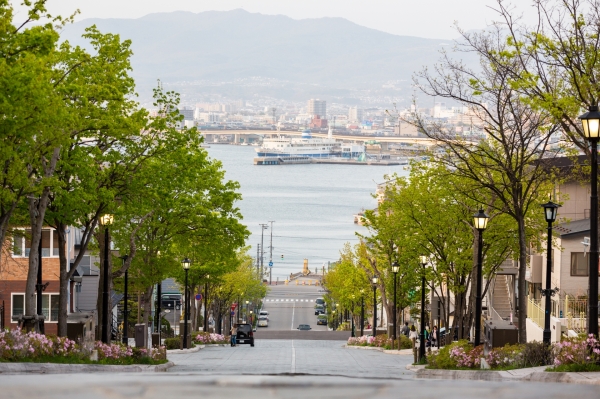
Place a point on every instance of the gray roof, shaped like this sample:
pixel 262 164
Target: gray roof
pixel 574 227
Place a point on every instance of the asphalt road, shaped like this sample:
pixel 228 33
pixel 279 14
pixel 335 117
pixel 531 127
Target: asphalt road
pixel 290 306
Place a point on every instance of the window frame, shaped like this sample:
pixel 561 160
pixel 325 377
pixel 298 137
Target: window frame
pixel 571 269
pixel 24 253
pixel 49 294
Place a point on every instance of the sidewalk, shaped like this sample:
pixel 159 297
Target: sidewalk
pixel 59 368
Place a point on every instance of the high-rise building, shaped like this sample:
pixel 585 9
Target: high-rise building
pixel 317 108
pixel 355 114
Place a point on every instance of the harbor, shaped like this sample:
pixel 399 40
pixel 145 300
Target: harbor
pixel 337 161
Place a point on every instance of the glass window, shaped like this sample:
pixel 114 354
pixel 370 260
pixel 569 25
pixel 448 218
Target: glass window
pixel 54 243
pixel 54 307
pixel 45 306
pixel 27 241
pixel 579 264
pixel 18 306
pixel 45 243
pixel 18 244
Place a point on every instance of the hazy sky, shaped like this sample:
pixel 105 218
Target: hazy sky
pixel 423 18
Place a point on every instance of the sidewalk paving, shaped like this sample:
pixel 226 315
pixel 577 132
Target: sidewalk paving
pixel 59 368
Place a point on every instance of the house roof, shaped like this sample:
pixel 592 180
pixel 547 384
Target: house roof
pixel 574 227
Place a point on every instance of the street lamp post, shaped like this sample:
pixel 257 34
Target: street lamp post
pixel 106 220
pixel 591 124
pixel 480 220
pixel 362 312
pixel 205 327
pixel 423 261
pixel 186 266
pixel 395 270
pixel 550 210
pixel 247 308
pixel 125 305
pixel 333 320
pixel 352 332
pixel 375 280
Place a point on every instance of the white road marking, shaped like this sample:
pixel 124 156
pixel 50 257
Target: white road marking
pixel 293 311
pixel 293 370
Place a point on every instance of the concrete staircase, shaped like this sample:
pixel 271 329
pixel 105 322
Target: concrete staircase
pixel 501 299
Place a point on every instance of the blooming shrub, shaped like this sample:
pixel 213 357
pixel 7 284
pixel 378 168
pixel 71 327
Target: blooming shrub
pixel 506 357
pixel 580 350
pixel 365 340
pixel 469 358
pixel 210 338
pixel 15 345
pixel 380 341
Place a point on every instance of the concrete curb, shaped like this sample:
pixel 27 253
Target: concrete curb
pixel 57 368
pixel 184 351
pixel 535 374
pixel 403 352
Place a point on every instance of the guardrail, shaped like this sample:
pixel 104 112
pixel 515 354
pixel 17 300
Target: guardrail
pixel 535 312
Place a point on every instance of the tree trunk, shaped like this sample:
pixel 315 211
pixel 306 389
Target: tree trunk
pixel 147 298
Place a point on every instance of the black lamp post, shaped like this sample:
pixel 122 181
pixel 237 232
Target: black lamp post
pixel 125 304
pixel 333 320
pixel 591 124
pixel 186 266
pixel 106 220
pixel 205 327
pixel 480 220
pixel 375 280
pixel 247 308
pixel 395 270
pixel 423 261
pixel 550 210
pixel 352 333
pixel 362 312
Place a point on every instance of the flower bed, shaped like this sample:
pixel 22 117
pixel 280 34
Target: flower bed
pixel 576 354
pixel 380 341
pixel 462 355
pixel 17 346
pixel 203 338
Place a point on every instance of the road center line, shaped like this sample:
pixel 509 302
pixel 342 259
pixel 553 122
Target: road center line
pixel 293 311
pixel 293 370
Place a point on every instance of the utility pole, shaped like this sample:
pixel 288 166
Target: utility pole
pixel 263 227
pixel 271 252
pixel 258 262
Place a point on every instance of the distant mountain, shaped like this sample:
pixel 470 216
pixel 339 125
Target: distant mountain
pixel 223 46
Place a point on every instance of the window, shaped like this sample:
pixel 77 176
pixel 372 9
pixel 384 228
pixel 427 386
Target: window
pixel 579 264
pixel 49 306
pixel 18 306
pixel 22 243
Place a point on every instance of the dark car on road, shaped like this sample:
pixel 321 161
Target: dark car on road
pixel 319 309
pixel 244 334
pixel 304 327
pixel 322 320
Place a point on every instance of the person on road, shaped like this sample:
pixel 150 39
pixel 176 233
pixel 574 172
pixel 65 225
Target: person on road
pixel 405 330
pixel 233 335
pixel 413 337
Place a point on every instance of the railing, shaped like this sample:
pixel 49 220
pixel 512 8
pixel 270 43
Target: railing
pixel 511 291
pixel 535 312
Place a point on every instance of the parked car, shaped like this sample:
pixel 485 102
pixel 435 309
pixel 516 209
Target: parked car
pixel 244 334
pixel 322 320
pixel 304 327
pixel 263 321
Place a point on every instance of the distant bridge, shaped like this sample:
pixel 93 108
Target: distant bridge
pixel 347 137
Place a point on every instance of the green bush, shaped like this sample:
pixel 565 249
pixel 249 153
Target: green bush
pixel 172 343
pixel 442 359
pixel 536 354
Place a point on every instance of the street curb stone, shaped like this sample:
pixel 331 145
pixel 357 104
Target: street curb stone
pixel 403 352
pixel 59 368
pixel 531 375
pixel 183 351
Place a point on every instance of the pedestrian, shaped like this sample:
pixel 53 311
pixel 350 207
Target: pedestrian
pixel 413 335
pixel 234 335
pixel 428 338
pixel 405 330
pixel 434 336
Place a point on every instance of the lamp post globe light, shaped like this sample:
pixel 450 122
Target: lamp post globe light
pixel 423 262
pixel 550 211
pixel 480 220
pixel 186 263
pixel 106 220
pixel 247 308
pixel 362 312
pixel 591 126
pixel 375 280
pixel 395 270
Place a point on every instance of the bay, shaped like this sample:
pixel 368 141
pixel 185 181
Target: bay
pixel 312 206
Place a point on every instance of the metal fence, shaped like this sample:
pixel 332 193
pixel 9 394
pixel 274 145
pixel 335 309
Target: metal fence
pixel 535 312
pixel 571 311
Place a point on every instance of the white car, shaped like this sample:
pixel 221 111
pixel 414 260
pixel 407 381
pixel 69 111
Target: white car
pixel 263 321
pixel 264 313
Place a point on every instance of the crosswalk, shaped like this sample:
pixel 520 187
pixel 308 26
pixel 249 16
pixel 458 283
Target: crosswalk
pixel 288 300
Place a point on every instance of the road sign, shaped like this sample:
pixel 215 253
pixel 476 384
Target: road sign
pixel 233 306
pixel 233 313
pixel 198 297
pixel 270 264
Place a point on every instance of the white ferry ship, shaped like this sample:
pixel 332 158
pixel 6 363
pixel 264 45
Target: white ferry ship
pixel 294 147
